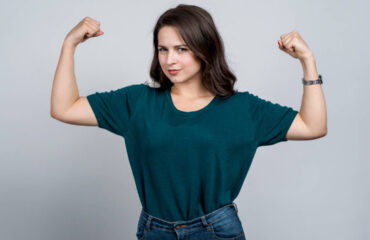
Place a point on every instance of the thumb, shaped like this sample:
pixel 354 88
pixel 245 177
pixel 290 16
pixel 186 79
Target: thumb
pixel 99 33
pixel 281 47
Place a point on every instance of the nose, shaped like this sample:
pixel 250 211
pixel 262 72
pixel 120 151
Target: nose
pixel 171 58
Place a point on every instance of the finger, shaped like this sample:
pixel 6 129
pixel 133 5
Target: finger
pixel 283 42
pixel 94 29
pixel 284 36
pixel 94 23
pixel 281 46
pixel 288 42
pixel 291 43
pixel 286 39
pixel 92 26
pixel 98 33
pixel 284 48
pixel 90 31
pixel 288 47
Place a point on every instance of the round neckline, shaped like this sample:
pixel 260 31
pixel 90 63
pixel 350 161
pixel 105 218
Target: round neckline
pixel 191 113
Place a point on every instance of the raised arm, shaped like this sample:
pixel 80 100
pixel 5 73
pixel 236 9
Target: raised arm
pixel 66 104
pixel 311 121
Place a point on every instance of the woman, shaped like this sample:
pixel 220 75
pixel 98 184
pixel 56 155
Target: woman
pixel 190 140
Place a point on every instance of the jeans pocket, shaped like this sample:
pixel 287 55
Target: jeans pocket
pixel 227 227
pixel 140 232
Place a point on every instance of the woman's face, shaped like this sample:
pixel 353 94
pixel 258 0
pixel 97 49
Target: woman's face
pixel 173 53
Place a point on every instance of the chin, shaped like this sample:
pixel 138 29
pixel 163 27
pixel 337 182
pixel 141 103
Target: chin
pixel 175 79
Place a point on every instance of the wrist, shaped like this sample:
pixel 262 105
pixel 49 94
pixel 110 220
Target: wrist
pixel 309 69
pixel 312 82
pixel 69 44
pixel 307 59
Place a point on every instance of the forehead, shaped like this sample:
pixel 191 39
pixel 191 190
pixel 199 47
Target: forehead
pixel 169 36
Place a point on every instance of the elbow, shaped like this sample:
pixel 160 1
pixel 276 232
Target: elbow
pixel 318 133
pixel 52 110
pixel 54 114
pixel 324 132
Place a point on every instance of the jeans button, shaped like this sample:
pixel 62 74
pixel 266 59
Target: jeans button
pixel 180 226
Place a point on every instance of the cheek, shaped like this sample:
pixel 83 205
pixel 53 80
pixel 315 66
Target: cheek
pixel 161 60
pixel 190 63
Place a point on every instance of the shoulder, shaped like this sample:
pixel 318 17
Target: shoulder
pixel 243 97
pixel 246 101
pixel 141 91
pixel 247 95
pixel 252 99
pixel 134 90
pixel 137 87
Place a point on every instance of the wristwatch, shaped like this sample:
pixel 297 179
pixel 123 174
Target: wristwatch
pixel 318 81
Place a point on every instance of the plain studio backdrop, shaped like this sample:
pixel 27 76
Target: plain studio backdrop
pixel 60 181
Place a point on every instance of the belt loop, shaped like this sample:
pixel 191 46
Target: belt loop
pixel 236 208
pixel 147 225
pixel 204 221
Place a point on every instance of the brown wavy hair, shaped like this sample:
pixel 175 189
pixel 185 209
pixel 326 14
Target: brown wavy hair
pixel 199 32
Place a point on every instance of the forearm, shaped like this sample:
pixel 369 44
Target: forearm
pixel 64 91
pixel 313 107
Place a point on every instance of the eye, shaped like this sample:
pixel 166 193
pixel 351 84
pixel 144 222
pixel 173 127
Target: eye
pixel 182 49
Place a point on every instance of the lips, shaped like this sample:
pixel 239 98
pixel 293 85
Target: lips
pixel 174 71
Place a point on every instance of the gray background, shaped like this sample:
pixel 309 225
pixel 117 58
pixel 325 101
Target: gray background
pixel 61 181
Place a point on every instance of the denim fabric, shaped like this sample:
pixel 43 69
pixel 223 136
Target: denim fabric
pixel 222 224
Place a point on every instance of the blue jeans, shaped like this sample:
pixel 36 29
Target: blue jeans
pixel 223 224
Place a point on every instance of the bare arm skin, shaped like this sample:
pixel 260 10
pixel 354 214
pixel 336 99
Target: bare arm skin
pixel 66 103
pixel 311 121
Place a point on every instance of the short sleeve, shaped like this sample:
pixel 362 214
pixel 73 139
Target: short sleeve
pixel 272 120
pixel 113 109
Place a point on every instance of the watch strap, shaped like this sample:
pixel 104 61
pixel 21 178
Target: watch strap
pixel 311 82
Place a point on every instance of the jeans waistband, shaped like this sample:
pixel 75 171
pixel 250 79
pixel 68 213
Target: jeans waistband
pixel 204 220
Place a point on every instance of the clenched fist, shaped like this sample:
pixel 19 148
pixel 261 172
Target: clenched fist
pixel 293 44
pixel 85 29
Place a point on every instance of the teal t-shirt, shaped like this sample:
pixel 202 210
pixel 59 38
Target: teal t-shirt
pixel 188 164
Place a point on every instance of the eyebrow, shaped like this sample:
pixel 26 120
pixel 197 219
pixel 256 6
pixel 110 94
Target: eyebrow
pixel 174 46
